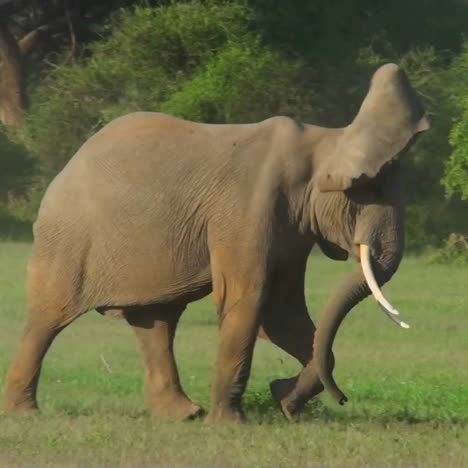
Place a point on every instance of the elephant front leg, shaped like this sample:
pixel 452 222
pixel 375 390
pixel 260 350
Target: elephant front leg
pixel 238 331
pixel 292 330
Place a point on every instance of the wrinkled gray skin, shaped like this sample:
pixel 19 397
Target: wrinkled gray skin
pixel 154 212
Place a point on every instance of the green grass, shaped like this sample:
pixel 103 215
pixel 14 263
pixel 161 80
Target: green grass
pixel 408 389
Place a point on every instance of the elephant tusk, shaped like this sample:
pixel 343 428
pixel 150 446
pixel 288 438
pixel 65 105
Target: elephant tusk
pixel 389 310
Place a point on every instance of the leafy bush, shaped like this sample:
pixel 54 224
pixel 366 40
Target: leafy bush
pixel 456 175
pixel 16 167
pixel 150 54
pixel 455 179
pixel 17 170
pixel 455 251
pixel 243 82
pixel 243 61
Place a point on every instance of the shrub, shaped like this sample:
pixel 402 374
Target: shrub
pixel 456 173
pixel 455 251
pixel 149 54
pixel 242 61
pixel 16 167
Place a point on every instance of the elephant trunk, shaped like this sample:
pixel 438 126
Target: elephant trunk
pixel 354 289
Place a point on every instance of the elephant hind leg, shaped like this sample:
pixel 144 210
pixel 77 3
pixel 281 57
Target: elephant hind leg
pixel 41 328
pixel 154 327
pixel 52 306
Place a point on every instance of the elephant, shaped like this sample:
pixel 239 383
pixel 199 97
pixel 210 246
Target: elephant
pixel 154 212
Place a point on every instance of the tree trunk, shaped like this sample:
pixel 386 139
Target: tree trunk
pixel 12 96
pixel 71 13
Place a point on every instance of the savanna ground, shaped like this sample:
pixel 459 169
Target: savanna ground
pixel 408 389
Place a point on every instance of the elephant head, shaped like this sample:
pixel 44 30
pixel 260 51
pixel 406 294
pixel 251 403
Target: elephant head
pixel 357 203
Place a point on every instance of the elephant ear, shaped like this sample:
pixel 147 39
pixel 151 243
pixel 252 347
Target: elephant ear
pixel 388 119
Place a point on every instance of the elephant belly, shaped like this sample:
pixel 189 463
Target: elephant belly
pixel 137 277
pixel 136 254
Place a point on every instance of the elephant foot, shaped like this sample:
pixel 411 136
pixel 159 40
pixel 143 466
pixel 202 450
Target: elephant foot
pixel 292 394
pixel 176 408
pixel 225 416
pixel 19 405
pixel 282 391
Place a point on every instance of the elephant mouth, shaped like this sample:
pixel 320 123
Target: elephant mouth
pixel 388 309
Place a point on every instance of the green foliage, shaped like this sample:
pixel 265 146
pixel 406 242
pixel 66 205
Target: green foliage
pixel 244 82
pixel 456 176
pixel 150 54
pixel 246 60
pixel 16 167
pixel 17 171
pixel 455 251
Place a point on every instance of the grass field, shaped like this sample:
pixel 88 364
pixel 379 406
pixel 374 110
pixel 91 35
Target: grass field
pixel 408 389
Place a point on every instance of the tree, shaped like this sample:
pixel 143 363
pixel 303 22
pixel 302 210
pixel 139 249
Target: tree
pixel 456 170
pixel 192 60
pixel 239 61
pixel 59 26
pixel 11 84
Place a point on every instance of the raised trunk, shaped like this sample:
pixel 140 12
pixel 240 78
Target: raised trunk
pixel 11 79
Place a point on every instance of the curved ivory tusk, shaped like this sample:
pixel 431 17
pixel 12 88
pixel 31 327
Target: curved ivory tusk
pixel 391 312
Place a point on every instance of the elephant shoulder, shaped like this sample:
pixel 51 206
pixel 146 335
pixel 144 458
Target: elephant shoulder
pixel 284 125
pixel 136 125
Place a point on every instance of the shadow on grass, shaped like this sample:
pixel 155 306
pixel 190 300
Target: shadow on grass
pixel 91 394
pixel 262 408
pixel 269 414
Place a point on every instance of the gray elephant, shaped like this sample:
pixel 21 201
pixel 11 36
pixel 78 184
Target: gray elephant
pixel 154 212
